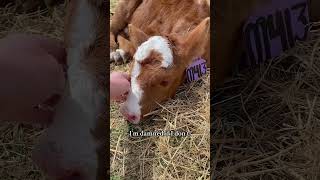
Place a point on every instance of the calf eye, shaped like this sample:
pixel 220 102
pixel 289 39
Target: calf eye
pixel 164 83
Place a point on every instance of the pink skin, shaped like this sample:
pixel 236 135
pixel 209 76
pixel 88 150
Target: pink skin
pixel 129 117
pixel 31 73
pixel 119 86
pixel 119 89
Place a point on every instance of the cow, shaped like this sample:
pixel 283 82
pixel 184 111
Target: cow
pixel 74 145
pixel 161 38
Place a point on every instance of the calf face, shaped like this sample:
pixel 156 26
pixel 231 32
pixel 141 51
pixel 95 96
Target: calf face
pixel 159 67
pixel 73 146
pixel 68 150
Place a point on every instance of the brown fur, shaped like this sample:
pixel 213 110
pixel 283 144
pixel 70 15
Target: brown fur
pixel 184 23
pixel 122 15
pixel 159 81
pixel 174 17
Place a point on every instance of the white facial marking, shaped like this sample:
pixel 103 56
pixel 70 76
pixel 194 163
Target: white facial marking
pixel 83 29
pixel 83 87
pixel 156 43
pixel 135 94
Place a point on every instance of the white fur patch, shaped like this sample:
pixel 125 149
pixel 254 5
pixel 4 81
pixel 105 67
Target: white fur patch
pixel 135 94
pixel 83 28
pixel 121 52
pixel 83 86
pixel 117 55
pixel 156 43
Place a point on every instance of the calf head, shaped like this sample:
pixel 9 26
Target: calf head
pixel 73 147
pixel 70 148
pixel 159 65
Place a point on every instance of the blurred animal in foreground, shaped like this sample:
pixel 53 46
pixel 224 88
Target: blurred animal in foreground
pixel 73 147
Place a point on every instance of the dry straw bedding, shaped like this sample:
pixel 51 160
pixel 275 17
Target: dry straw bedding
pixel 266 121
pixel 158 158
pixel 267 128
pixel 165 157
pixel 17 140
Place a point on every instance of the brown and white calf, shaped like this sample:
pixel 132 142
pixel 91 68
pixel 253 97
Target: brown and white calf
pixel 74 146
pixel 162 38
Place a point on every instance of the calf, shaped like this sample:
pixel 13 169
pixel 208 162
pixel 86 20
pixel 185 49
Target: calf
pixel 73 147
pixel 163 38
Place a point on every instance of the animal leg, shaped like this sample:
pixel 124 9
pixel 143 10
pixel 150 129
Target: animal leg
pixel 125 52
pixel 119 22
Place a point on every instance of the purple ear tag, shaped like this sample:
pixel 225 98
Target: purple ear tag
pixel 275 28
pixel 196 70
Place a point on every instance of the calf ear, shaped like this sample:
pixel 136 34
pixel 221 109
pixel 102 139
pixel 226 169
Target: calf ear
pixel 197 41
pixel 137 37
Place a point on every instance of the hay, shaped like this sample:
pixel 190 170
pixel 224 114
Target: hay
pixel 165 157
pixel 17 140
pixel 266 121
pixel 268 126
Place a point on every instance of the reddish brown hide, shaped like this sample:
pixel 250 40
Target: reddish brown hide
pixel 184 24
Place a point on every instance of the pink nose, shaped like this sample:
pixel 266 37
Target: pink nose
pixel 129 116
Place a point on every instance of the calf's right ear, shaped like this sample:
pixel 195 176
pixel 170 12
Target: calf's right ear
pixel 197 41
pixel 137 36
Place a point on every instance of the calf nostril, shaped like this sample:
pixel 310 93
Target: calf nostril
pixel 132 117
pixel 126 94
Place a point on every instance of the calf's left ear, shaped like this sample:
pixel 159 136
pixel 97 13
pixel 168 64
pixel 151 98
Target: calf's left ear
pixel 197 41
